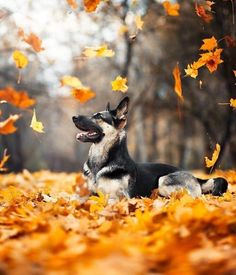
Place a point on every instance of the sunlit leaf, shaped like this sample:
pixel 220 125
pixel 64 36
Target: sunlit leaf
pixel 212 59
pixel 178 83
pixel 119 84
pixel 209 44
pixel 20 59
pixel 33 40
pixel 171 9
pixel 98 202
pixel 91 5
pixel 7 126
pixel 71 81
pixel 3 161
pixel 211 162
pixel 73 4
pixel 233 102
pixel 204 11
pixel 19 99
pixel 101 51
pixel 35 124
pixel 138 22
pixel 83 94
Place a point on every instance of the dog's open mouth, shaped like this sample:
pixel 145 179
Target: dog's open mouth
pixel 87 134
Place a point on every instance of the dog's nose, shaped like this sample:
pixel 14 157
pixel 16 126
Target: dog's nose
pixel 74 118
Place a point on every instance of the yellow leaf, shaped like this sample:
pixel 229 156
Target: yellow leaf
pixel 101 51
pixel 178 84
pixel 71 81
pixel 20 59
pixel 123 29
pixel 83 94
pixel 209 44
pixel 171 9
pixel 211 162
pixel 119 84
pixel 212 59
pixel 36 125
pixel 4 160
pixel 98 202
pixel 138 22
pixel 233 102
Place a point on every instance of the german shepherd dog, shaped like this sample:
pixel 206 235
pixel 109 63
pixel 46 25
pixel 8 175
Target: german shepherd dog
pixel 110 168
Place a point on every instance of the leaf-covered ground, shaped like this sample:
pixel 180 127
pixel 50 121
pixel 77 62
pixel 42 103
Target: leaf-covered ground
pixel 46 229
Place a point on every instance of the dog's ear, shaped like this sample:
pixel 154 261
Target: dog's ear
pixel 108 108
pixel 121 112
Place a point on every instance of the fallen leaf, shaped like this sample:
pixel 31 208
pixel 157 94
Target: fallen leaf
pixel 209 44
pixel 36 125
pixel 7 126
pixel 101 51
pixel 19 99
pixel 98 202
pixel 20 59
pixel 73 4
pixel 91 5
pixel 119 84
pixel 171 9
pixel 4 160
pixel 138 22
pixel 178 84
pixel 211 162
pixel 71 81
pixel 33 40
pixel 83 94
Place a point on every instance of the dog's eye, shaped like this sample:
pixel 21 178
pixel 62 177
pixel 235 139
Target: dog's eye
pixel 97 116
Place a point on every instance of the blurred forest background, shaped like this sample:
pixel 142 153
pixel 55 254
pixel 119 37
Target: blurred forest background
pixel 160 128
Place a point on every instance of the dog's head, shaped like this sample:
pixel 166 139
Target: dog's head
pixel 106 123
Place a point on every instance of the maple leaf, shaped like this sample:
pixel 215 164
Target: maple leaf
pixel 211 162
pixel 71 81
pixel 98 202
pixel 209 44
pixel 119 84
pixel 33 40
pixel 192 69
pixel 233 102
pixel 19 99
pixel 101 51
pixel 91 5
pixel 178 84
pixel 171 9
pixel 20 59
pixel 212 59
pixel 203 12
pixel 35 124
pixel 7 126
pixel 4 160
pixel 138 22
pixel 73 4
pixel 83 94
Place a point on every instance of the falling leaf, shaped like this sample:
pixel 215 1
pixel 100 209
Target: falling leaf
pixel 36 125
pixel 73 4
pixel 203 11
pixel 91 5
pixel 192 69
pixel 83 94
pixel 211 162
pixel 20 59
pixel 19 99
pixel 212 59
pixel 7 126
pixel 138 22
pixel 33 40
pixel 119 84
pixel 233 102
pixel 178 84
pixel 101 51
pixel 71 81
pixel 209 44
pixel 171 9
pixel 3 161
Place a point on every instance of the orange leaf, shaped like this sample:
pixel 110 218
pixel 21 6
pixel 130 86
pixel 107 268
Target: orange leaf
pixel 19 99
pixel 7 126
pixel 211 162
pixel 91 5
pixel 202 12
pixel 178 84
pixel 212 59
pixel 73 4
pixel 171 9
pixel 33 40
pixel 83 94
pixel 209 44
pixel 233 102
pixel 4 160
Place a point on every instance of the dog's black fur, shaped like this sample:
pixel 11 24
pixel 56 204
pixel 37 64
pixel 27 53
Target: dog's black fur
pixel 110 168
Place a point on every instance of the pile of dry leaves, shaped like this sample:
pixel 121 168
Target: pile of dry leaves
pixel 45 227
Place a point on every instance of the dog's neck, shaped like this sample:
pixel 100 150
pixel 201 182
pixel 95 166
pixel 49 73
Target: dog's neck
pixel 114 144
